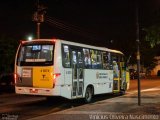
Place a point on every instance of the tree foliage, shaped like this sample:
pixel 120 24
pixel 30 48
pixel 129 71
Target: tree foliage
pixel 153 35
pixel 147 55
pixel 8 48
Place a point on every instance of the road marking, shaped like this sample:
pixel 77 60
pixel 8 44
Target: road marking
pixel 144 90
pixel 151 89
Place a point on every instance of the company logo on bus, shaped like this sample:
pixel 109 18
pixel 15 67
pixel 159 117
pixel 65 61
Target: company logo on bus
pixel 101 75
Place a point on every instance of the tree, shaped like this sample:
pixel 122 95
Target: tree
pixel 153 35
pixel 8 48
pixel 148 55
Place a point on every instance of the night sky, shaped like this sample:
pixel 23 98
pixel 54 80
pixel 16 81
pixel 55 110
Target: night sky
pixel 107 23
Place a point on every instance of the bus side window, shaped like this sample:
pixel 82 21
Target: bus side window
pixel 110 65
pixel 99 60
pixel 96 59
pixel 106 60
pixel 66 56
pixel 93 58
pixel 87 58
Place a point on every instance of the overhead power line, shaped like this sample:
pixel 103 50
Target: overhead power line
pixel 69 28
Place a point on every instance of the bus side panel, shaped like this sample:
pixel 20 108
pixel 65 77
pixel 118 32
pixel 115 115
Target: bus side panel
pixel 68 76
pixel 64 81
pixel 67 89
pixel 102 80
pixel 58 69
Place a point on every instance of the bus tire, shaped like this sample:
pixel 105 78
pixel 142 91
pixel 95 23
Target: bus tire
pixel 88 94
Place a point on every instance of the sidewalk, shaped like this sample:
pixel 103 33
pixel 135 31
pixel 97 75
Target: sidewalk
pixel 123 107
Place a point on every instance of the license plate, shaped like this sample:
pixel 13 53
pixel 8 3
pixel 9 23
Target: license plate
pixel 33 90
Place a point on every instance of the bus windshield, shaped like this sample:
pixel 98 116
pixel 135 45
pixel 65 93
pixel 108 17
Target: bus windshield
pixel 36 55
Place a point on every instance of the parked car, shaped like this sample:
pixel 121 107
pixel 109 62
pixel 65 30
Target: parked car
pixel 7 83
pixel 133 74
pixel 142 75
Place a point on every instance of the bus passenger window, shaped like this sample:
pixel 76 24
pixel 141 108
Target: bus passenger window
pixel 106 60
pixel 99 60
pixel 94 58
pixel 87 59
pixel 66 58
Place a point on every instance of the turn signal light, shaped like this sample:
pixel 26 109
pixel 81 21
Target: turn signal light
pixel 56 75
pixel 15 78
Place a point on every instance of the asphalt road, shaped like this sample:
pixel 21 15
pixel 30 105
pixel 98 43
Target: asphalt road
pixel 144 83
pixel 41 106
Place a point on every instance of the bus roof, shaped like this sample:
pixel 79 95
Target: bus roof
pixel 74 43
pixel 90 46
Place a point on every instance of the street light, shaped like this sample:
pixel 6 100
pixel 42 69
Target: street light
pixel 30 38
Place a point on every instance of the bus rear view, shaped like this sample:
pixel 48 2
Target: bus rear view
pixel 34 67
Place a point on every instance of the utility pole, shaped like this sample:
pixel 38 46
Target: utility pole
pixel 138 54
pixel 38 17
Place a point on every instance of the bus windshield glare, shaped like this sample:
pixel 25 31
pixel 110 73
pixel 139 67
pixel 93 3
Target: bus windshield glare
pixel 35 55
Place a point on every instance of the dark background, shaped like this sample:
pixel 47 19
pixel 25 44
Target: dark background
pixel 106 23
pixel 104 20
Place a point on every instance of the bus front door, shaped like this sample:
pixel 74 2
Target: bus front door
pixel 77 73
pixel 116 77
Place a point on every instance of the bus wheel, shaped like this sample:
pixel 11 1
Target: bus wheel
pixel 88 95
